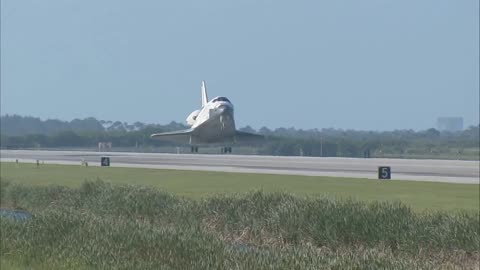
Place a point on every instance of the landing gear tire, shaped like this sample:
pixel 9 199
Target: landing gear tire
pixel 194 149
pixel 225 150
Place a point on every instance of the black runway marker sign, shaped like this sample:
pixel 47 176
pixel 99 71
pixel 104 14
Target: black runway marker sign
pixel 105 161
pixel 384 173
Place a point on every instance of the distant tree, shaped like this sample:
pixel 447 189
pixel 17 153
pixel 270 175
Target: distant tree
pixel 117 126
pixel 40 140
pixel 248 129
pixel 86 125
pixel 431 132
pixel 68 138
pixel 139 125
pixel 265 131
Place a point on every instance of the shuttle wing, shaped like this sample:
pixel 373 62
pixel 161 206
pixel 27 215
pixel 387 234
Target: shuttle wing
pixel 241 136
pixel 181 136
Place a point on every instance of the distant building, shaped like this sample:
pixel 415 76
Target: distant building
pixel 450 123
pixel 106 146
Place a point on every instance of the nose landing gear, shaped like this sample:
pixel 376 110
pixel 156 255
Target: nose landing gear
pixel 194 149
pixel 222 122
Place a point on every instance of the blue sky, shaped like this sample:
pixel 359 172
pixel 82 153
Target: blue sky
pixel 370 65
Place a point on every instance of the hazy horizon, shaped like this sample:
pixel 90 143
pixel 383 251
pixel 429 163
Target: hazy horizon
pixel 369 65
pixel 238 127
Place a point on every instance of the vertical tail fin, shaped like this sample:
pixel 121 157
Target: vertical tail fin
pixel 204 94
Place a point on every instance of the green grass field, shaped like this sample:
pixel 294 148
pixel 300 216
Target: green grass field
pixel 167 219
pixel 112 226
pixel 195 184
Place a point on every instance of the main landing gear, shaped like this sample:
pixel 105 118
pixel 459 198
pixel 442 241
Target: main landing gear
pixel 225 150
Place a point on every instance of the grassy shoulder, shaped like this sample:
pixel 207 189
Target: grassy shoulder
pixel 109 226
pixel 196 184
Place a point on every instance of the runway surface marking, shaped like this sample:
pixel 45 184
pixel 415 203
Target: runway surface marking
pixel 452 171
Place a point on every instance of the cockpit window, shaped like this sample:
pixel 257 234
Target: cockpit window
pixel 221 99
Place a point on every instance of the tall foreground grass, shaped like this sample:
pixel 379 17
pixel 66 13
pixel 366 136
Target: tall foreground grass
pixel 106 226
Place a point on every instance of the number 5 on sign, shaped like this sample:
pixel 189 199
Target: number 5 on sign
pixel 384 173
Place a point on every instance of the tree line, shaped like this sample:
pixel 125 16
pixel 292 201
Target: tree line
pixel 30 132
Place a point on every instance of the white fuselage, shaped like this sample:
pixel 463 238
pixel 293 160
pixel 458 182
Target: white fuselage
pixel 213 123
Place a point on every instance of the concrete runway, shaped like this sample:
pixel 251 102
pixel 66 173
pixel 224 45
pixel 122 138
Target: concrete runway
pixel 452 171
